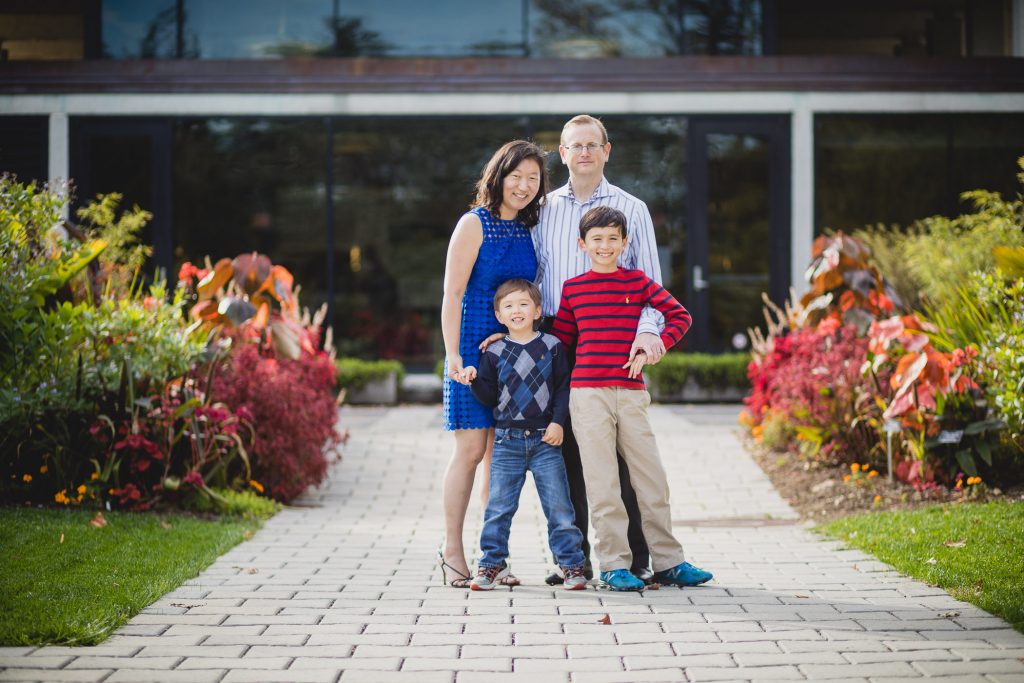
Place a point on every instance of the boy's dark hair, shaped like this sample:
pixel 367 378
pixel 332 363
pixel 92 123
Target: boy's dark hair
pixel 602 217
pixel 516 285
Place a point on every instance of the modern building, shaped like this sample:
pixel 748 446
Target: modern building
pixel 343 137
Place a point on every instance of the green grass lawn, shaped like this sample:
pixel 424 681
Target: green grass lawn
pixel 63 580
pixel 973 551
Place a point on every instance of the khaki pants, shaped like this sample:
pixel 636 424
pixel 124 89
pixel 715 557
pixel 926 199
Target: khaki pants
pixel 606 418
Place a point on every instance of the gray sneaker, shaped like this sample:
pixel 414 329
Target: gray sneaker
pixel 487 578
pixel 575 579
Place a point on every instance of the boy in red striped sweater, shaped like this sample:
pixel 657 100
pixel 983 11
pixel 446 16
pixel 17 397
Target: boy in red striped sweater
pixel 599 313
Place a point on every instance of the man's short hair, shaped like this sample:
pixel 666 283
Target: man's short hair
pixel 583 120
pixel 516 285
pixel 602 217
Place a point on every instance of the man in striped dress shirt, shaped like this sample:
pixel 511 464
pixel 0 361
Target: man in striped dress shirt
pixel 598 315
pixel 585 150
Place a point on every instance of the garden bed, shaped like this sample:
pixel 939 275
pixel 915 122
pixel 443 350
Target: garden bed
pixel 817 491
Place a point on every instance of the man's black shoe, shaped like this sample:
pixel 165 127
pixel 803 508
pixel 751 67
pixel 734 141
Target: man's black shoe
pixel 644 574
pixel 555 578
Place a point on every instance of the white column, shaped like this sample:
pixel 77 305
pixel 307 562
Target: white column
pixel 802 192
pixel 59 164
pixel 1017 29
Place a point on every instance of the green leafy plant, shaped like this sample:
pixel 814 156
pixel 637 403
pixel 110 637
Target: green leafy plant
pixel 706 370
pixel 355 373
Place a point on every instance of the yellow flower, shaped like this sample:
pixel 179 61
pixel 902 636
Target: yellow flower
pixel 95 475
pixel 256 485
pixel 59 497
pixel 81 489
pixel 855 468
pixel 872 473
pixel 865 467
pixel 44 469
pixel 846 477
pixel 878 499
pixel 27 478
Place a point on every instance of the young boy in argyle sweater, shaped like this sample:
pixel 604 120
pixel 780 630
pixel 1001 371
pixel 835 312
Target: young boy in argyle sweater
pixel 525 377
pixel 599 313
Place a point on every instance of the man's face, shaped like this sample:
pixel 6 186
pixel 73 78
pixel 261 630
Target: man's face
pixel 583 152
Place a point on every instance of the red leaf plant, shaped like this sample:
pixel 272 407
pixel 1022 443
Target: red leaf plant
pixel 293 411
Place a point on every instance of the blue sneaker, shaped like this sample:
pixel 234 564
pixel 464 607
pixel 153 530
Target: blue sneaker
pixel 621 580
pixel 684 574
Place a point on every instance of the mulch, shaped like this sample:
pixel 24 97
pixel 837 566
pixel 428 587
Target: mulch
pixel 818 493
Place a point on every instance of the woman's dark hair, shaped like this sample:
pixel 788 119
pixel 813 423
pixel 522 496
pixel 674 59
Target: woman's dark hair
pixel 505 160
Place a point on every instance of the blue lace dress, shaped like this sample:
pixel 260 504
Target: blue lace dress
pixel 506 253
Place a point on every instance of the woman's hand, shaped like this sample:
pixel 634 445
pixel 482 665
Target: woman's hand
pixel 455 367
pixel 490 340
pixel 468 374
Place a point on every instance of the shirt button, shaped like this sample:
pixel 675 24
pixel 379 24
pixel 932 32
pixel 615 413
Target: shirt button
pixel 527 432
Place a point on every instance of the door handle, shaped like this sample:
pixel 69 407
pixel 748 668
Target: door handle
pixel 699 283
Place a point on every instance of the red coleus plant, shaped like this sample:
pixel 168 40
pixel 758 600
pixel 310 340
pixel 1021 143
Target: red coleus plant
pixel 934 400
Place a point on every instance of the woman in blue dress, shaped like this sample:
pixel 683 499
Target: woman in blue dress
pixel 491 243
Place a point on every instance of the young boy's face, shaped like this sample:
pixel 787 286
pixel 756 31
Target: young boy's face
pixel 603 246
pixel 517 311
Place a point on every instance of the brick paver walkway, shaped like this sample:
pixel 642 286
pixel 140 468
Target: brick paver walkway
pixel 345 588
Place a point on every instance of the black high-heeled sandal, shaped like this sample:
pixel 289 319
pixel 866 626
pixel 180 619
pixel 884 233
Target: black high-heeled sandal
pixel 461 580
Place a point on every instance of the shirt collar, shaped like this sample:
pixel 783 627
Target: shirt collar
pixel 603 190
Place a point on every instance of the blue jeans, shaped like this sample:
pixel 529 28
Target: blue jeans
pixel 515 452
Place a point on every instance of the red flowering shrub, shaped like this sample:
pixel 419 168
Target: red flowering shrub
pixel 815 378
pixel 294 414
pixel 170 446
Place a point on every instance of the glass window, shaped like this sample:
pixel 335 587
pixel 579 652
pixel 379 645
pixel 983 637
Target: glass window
pixel 400 185
pixel 245 185
pixel 644 28
pixel 898 168
pixel 24 146
pixel 952 28
pixel 45 30
pixel 257 29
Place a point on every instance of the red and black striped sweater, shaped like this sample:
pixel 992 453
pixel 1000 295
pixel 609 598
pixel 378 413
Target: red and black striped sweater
pixel 599 314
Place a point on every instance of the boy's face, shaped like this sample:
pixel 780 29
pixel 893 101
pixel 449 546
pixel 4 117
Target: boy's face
pixel 517 311
pixel 603 246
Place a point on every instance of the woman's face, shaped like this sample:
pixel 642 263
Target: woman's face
pixel 519 188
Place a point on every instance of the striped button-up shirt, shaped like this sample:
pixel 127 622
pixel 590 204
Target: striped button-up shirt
pixel 559 257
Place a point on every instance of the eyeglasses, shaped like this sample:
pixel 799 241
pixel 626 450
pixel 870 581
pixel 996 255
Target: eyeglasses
pixel 577 148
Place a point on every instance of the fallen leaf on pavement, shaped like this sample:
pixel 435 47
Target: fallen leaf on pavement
pixel 606 619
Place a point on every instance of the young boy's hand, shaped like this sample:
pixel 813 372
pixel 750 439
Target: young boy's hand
pixel 553 435
pixel 636 365
pixel 468 375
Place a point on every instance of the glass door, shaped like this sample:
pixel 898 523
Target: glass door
pixel 131 157
pixel 737 227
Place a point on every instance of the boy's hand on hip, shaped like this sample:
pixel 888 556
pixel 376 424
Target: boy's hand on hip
pixel 490 340
pixel 650 344
pixel 553 435
pixel 636 364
